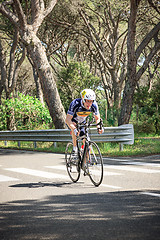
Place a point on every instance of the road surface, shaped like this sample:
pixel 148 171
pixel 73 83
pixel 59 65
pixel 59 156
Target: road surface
pixel 39 201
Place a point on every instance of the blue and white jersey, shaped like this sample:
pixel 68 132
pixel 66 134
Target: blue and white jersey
pixel 79 112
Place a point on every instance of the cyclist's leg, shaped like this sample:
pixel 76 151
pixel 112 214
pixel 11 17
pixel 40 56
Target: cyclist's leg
pixel 74 139
pixel 73 136
pixel 82 132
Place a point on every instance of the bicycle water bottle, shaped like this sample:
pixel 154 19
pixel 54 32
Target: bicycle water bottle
pixel 82 148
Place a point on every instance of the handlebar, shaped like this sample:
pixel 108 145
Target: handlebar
pixel 89 123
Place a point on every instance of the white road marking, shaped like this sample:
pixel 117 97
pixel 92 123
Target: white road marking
pixel 110 186
pixel 143 164
pixel 117 159
pixel 132 169
pixel 64 168
pixel 37 173
pixel 151 194
pixel 59 167
pixel 7 179
pixel 129 161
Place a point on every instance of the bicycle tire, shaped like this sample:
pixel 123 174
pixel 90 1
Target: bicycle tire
pixel 95 164
pixel 72 166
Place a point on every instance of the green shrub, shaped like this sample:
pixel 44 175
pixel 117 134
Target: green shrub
pixel 144 127
pixel 28 113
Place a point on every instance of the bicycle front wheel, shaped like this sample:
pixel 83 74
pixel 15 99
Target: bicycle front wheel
pixel 71 164
pixel 95 164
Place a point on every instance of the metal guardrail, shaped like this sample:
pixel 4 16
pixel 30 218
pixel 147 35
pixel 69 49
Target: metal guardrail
pixel 123 134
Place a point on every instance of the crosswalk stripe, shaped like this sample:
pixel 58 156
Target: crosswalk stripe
pixel 132 169
pixel 64 168
pixel 110 186
pixel 37 173
pixel 7 179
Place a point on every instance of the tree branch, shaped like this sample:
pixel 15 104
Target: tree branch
pixel 20 13
pixel 147 39
pixel 12 57
pixel 50 7
pixel 3 67
pixel 17 69
pixel 95 42
pixel 154 6
pixel 148 59
pixel 37 7
pixel 7 13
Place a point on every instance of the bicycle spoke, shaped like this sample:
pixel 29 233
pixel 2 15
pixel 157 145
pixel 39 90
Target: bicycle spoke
pixel 72 165
pixel 95 164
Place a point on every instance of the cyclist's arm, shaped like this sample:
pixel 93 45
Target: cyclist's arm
pixel 69 122
pixel 98 118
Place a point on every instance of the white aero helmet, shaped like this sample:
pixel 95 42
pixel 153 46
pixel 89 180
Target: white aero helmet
pixel 88 94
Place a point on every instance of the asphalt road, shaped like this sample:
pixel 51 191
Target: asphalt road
pixel 39 201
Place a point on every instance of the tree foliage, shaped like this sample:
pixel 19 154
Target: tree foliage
pixel 118 40
pixel 27 17
pixel 147 108
pixel 75 74
pixel 29 113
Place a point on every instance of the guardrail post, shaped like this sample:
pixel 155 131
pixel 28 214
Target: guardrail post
pixel 19 143
pixel 5 143
pixel 35 144
pixel 121 147
pixel 55 144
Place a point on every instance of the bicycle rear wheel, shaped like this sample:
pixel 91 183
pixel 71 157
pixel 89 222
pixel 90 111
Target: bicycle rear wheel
pixel 71 164
pixel 95 164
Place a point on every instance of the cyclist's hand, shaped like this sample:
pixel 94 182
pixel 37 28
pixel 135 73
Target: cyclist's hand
pixel 100 130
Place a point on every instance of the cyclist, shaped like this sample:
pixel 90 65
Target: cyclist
pixel 78 111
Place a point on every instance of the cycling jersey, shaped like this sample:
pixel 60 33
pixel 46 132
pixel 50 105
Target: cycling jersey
pixel 79 112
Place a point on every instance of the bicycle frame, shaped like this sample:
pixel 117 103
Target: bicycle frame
pixel 91 161
pixel 86 126
pixel 82 157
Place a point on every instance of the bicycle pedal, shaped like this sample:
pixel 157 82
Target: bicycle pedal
pixel 86 172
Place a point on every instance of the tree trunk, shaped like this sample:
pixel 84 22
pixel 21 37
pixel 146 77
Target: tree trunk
pixel 48 84
pixel 131 81
pixel 28 27
pixel 39 93
pixel 133 76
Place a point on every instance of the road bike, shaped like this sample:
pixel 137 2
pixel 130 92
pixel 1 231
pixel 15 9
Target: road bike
pixel 89 159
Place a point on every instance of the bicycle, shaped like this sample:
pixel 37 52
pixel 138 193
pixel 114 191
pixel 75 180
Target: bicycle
pixel 90 160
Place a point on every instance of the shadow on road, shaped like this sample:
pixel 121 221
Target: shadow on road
pixel 42 184
pixel 15 152
pixel 101 216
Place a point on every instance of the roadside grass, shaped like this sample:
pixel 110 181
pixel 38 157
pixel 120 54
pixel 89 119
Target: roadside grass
pixel 142 146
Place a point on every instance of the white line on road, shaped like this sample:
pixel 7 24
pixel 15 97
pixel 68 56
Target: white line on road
pixel 130 162
pixel 116 159
pixel 110 186
pixel 37 173
pixel 143 164
pixel 132 169
pixel 151 194
pixel 64 168
pixel 7 179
